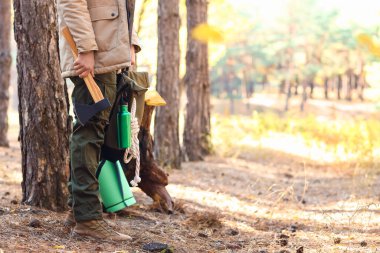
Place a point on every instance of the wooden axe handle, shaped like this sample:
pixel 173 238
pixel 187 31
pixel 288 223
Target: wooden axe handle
pixel 93 88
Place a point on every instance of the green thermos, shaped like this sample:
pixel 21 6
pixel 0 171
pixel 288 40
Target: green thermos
pixel 113 186
pixel 124 127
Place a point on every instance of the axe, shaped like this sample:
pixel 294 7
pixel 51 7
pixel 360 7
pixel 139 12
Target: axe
pixel 85 112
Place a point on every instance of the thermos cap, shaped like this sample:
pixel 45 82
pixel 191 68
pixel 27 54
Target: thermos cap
pixel 124 108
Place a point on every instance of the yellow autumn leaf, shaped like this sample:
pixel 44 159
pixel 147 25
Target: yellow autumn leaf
pixel 365 40
pixel 376 51
pixel 368 42
pixel 59 247
pixel 207 33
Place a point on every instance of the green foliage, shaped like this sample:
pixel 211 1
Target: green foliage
pixel 306 39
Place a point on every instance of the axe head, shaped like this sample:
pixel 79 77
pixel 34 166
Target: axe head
pixel 85 112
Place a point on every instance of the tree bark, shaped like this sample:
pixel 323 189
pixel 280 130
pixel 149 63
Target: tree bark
pixel 292 29
pixel 5 68
pixel 43 106
pixel 288 87
pixel 312 86
pixel 197 124
pixel 361 82
pixel 141 15
pixel 296 88
pixel 166 130
pixel 326 88
pixel 350 81
pixel 339 87
pixel 304 95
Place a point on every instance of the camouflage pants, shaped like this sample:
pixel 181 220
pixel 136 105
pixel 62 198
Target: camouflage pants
pixel 85 148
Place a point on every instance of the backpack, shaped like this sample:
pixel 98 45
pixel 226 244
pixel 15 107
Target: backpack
pixel 130 85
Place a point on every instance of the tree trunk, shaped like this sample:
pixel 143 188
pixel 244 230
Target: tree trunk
pixel 312 86
pixel 326 88
pixel 304 95
pixel 166 131
pixel 5 68
pixel 361 83
pixel 296 88
pixel 43 106
pixel 339 87
pixel 197 125
pixel 281 87
pixel 288 87
pixel 141 16
pixel 350 81
pixel 361 87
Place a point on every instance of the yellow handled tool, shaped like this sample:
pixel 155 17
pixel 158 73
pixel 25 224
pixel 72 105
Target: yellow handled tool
pixel 86 112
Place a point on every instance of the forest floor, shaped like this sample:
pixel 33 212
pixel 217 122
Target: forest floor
pixel 261 201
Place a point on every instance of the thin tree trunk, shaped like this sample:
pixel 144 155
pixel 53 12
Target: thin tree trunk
pixel 361 82
pixel 264 81
pixel 206 146
pixel 361 87
pixel 5 68
pixel 166 131
pixel 290 53
pixel 296 88
pixel 43 106
pixel 339 87
pixel 288 88
pixel 141 15
pixel 356 81
pixel 304 95
pixel 326 88
pixel 197 125
pixel 312 86
pixel 350 81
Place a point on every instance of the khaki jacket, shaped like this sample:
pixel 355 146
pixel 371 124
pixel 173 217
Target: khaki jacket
pixel 99 25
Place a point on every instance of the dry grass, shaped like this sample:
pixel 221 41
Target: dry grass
pixel 202 220
pixel 278 194
pixel 343 140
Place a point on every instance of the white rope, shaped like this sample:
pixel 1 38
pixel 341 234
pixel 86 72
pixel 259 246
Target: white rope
pixel 134 150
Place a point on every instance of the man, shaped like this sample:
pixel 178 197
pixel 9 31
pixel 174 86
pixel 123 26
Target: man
pixel 100 31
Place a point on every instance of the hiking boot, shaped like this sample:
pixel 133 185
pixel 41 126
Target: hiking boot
pixel 69 220
pixel 98 229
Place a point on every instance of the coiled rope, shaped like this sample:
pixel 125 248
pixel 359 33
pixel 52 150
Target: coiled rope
pixel 134 150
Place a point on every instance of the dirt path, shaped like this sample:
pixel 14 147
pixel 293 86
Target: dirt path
pixel 264 202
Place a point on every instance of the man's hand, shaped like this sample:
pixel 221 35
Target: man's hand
pixel 133 55
pixel 84 64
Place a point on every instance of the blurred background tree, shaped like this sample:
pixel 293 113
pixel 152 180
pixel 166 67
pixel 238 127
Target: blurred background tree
pixel 306 48
pixel 5 68
pixel 283 51
pixel 196 137
pixel 167 146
